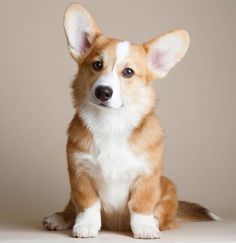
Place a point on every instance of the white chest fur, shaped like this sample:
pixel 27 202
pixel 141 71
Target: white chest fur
pixel 111 160
pixel 114 166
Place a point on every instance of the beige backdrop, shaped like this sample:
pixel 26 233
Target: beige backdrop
pixel 197 99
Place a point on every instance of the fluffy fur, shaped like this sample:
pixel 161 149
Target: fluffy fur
pixel 115 147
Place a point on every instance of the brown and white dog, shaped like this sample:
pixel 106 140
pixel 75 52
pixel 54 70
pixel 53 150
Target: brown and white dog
pixel 115 141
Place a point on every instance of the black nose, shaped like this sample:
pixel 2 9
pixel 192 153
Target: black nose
pixel 103 93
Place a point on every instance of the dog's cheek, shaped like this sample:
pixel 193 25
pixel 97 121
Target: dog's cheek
pixel 88 77
pixel 131 90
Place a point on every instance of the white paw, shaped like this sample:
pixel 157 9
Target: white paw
pixel 88 222
pixel 144 226
pixel 85 231
pixel 147 233
pixel 56 222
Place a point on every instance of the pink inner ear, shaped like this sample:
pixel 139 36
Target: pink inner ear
pixel 85 44
pixel 160 59
pixel 155 59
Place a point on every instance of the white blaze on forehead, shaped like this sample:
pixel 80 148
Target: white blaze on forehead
pixel 122 50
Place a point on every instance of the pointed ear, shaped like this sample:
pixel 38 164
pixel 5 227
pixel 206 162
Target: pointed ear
pixel 165 51
pixel 81 30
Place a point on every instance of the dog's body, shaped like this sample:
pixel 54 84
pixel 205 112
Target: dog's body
pixel 115 141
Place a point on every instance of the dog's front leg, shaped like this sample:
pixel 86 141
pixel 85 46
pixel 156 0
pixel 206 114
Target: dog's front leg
pixel 145 194
pixel 87 204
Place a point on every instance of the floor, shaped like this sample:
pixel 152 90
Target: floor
pixel 218 231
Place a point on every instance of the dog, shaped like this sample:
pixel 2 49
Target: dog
pixel 115 140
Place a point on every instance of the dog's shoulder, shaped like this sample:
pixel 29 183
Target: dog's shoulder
pixel 79 136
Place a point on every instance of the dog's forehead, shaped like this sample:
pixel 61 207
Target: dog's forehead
pixel 118 50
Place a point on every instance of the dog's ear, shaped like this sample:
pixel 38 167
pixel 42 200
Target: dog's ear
pixel 165 51
pixel 81 30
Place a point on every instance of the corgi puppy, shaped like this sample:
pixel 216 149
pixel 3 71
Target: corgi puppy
pixel 115 140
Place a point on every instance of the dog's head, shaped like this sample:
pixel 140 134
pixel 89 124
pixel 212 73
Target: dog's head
pixel 115 73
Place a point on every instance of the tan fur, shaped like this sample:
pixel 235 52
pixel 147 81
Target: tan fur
pixel 188 211
pixel 83 193
pixel 166 208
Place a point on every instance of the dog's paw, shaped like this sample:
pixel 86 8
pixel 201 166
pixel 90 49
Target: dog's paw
pixel 88 222
pixel 56 222
pixel 147 233
pixel 85 231
pixel 144 226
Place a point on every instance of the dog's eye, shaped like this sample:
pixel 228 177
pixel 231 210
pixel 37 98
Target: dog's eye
pixel 97 65
pixel 128 72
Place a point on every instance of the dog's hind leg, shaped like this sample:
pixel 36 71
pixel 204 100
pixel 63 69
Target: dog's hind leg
pixel 61 220
pixel 166 209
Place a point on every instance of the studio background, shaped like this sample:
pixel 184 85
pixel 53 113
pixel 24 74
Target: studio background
pixel 196 107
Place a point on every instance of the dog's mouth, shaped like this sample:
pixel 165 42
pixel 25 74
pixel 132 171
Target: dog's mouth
pixel 101 105
pixel 104 105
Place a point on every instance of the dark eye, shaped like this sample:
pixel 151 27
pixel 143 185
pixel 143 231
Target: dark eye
pixel 128 72
pixel 97 65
